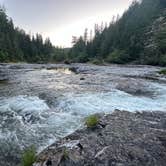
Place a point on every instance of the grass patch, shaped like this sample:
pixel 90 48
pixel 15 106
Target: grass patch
pixel 29 156
pixel 65 154
pixel 92 121
pixel 162 72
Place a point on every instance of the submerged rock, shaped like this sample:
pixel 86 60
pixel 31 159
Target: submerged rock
pixel 135 87
pixel 124 139
pixel 82 78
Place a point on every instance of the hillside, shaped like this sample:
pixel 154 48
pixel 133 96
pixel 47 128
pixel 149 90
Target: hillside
pixel 139 36
pixel 18 46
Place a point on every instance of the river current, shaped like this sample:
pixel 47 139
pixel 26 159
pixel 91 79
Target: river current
pixel 41 103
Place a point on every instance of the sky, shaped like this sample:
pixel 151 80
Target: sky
pixel 61 19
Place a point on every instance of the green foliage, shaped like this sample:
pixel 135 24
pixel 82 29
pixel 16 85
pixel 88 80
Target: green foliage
pixel 16 45
pixel 3 56
pixel 82 57
pixel 97 61
pixel 161 41
pixel 59 55
pixel 65 154
pixel 118 56
pixel 78 52
pixel 124 40
pixel 29 156
pixel 162 60
pixel 162 72
pixel 92 121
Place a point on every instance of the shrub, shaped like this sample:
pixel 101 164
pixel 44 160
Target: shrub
pixel 97 61
pixel 82 57
pixel 67 62
pixel 29 156
pixel 162 60
pixel 3 56
pixel 118 56
pixel 92 121
pixel 162 72
pixel 65 154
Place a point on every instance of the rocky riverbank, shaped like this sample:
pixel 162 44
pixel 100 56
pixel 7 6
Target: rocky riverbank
pixel 120 139
pixel 43 103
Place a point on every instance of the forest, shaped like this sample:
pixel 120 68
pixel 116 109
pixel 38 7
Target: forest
pixel 18 46
pixel 138 37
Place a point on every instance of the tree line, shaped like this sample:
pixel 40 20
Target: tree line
pixel 125 39
pixel 136 37
pixel 17 46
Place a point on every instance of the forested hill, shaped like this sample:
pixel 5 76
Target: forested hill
pixel 139 36
pixel 16 45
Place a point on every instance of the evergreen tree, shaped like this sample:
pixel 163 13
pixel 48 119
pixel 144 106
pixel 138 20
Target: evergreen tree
pixel 16 45
pixel 124 40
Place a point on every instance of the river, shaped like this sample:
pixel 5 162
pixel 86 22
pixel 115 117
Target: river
pixel 40 103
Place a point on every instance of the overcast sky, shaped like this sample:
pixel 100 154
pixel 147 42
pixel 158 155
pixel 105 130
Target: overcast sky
pixel 62 19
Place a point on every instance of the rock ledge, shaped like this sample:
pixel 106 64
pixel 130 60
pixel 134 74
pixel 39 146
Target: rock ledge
pixel 123 139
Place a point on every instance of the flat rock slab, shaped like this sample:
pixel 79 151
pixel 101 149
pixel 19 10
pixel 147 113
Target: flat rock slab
pixel 121 139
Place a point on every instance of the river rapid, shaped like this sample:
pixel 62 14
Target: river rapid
pixel 40 103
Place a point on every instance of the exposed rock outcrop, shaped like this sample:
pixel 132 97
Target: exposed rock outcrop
pixel 154 41
pixel 121 139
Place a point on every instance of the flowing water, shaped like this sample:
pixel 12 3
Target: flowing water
pixel 42 103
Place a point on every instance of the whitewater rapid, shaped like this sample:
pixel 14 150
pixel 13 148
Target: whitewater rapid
pixel 39 105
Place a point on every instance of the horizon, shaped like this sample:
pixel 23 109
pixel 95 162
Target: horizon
pixel 60 20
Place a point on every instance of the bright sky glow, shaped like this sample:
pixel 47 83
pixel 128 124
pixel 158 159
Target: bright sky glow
pixel 61 19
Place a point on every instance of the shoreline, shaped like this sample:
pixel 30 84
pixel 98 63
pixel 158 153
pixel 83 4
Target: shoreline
pixel 125 138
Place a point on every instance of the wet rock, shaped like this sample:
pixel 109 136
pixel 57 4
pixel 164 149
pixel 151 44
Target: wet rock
pixel 3 80
pixel 74 70
pixel 48 98
pixel 17 66
pixel 49 162
pixel 67 62
pixel 62 91
pixel 135 87
pixel 128 139
pixel 82 78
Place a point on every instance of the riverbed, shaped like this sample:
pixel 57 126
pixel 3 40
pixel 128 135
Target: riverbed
pixel 40 103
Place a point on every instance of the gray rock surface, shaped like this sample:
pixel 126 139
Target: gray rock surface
pixel 121 139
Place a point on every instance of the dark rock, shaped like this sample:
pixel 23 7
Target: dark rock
pixel 82 79
pixel 74 70
pixel 126 139
pixel 3 81
pixel 67 62
pixel 49 98
pixel 49 162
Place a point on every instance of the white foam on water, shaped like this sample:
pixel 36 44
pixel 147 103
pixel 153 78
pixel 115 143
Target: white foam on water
pixel 90 103
pixel 23 104
pixel 58 70
pixel 28 120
